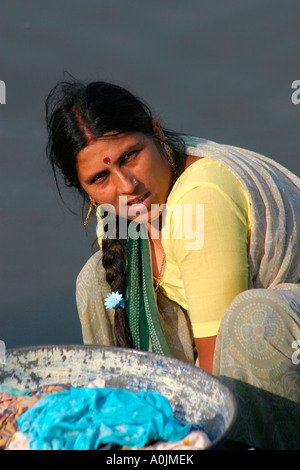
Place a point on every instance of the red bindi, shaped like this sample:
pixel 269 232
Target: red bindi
pixel 107 160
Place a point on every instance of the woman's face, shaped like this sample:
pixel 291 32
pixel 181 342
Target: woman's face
pixel 129 172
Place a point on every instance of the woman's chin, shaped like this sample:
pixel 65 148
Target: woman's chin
pixel 146 217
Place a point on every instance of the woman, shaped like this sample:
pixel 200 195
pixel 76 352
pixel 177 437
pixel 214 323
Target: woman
pixel 199 249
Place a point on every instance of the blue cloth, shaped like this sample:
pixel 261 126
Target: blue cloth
pixel 84 418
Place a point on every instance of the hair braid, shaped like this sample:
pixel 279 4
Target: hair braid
pixel 114 262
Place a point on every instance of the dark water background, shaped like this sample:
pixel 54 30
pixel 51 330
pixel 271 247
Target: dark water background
pixel 218 69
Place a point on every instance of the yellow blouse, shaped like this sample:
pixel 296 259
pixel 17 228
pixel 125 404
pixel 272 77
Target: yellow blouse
pixel 205 238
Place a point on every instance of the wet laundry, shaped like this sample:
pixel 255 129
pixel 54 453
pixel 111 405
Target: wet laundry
pixel 91 417
pixel 14 402
pixel 84 418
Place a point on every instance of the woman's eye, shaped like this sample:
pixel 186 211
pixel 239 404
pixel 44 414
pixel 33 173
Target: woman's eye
pixel 129 155
pixel 100 177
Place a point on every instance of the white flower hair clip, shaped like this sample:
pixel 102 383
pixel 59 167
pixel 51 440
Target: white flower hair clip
pixel 114 300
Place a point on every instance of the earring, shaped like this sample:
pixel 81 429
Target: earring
pixel 92 206
pixel 170 157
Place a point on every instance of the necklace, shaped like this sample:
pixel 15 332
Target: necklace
pixel 157 281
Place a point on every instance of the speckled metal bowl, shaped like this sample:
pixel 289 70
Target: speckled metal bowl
pixel 197 398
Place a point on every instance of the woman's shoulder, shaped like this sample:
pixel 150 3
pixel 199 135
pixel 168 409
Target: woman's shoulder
pixel 202 172
pixel 92 265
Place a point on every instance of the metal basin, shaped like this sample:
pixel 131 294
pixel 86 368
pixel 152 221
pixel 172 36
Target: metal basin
pixel 197 398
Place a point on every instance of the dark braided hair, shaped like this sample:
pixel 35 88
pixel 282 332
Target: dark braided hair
pixel 75 114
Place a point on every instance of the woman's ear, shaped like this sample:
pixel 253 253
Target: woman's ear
pixel 158 130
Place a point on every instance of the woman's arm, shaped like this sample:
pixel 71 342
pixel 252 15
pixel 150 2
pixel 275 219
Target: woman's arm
pixel 205 348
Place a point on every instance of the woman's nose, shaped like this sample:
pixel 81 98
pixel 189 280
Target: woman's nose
pixel 125 181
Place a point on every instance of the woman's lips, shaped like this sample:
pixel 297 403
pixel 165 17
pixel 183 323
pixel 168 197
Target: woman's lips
pixel 139 199
pixel 140 202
